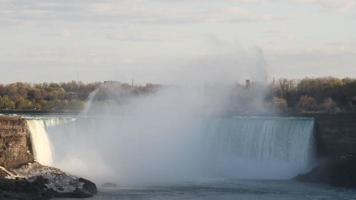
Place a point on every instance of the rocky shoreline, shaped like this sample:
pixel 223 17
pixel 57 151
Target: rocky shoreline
pixel 35 181
pixel 22 178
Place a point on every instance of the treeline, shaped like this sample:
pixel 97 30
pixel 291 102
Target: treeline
pixel 287 96
pixel 314 95
pixel 44 96
pixel 54 97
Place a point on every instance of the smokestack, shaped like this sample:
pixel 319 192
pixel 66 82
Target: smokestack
pixel 248 84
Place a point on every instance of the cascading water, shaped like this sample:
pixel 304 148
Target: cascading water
pixel 260 147
pixel 154 139
pixel 41 144
pixel 235 147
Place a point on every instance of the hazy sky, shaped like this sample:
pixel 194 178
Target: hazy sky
pixel 160 40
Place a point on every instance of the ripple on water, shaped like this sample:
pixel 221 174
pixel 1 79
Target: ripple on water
pixel 230 190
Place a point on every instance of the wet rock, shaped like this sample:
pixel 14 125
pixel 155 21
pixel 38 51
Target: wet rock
pixel 22 178
pixel 38 182
pixel 54 182
pixel 336 171
pixel 335 134
pixel 22 189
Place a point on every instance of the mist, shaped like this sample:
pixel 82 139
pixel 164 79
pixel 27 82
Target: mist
pixel 221 64
pixel 161 137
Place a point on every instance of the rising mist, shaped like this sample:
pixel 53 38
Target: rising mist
pixel 161 137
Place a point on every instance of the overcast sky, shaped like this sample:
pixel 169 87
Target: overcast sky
pixel 163 40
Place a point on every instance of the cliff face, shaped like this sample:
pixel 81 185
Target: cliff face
pixel 336 144
pixel 335 134
pixel 15 142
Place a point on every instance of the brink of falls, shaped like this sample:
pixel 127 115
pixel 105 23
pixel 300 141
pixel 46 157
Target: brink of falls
pixel 145 150
pixel 261 147
pixel 41 144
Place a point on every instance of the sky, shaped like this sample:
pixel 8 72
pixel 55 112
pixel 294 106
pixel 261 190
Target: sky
pixel 164 41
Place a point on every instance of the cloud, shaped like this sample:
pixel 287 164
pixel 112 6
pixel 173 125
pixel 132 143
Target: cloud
pixel 101 7
pixel 334 59
pixel 134 36
pixel 331 48
pixel 69 33
pixel 338 5
pixel 135 11
pixel 235 14
pixel 66 33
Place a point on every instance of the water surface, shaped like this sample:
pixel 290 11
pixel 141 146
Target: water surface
pixel 229 190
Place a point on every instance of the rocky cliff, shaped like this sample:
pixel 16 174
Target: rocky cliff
pixel 15 142
pixel 21 177
pixel 336 149
pixel 336 134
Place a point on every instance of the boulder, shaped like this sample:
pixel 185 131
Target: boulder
pixel 22 189
pixel 34 181
pixel 55 183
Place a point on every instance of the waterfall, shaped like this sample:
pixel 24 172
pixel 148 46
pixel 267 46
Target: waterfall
pixel 135 150
pixel 267 147
pixel 41 144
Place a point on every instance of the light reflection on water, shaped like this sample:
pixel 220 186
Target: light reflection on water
pixel 229 190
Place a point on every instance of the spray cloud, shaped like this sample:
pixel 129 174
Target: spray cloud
pixel 162 137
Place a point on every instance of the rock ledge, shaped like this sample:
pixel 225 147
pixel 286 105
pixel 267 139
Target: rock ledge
pixel 35 181
pixel 339 171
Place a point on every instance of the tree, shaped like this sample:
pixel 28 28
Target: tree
pixel 280 104
pixel 329 105
pixel 307 103
pixel 34 94
pixel 285 86
pixel 75 105
pixel 6 103
pixel 12 90
pixel 24 104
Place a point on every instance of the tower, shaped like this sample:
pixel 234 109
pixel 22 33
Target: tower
pixel 248 84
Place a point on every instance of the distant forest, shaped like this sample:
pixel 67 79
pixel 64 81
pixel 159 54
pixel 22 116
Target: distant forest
pixel 331 95
pixel 322 95
pixel 53 97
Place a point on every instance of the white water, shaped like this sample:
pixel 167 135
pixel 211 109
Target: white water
pixel 260 147
pixel 41 144
pixel 173 136
pixel 224 147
